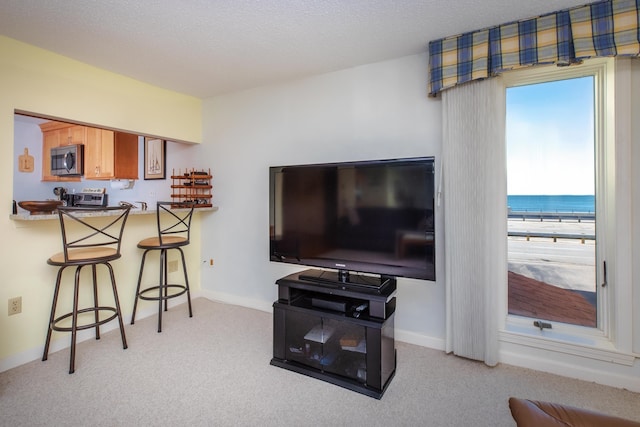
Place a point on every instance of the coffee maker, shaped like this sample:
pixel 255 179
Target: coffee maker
pixel 63 196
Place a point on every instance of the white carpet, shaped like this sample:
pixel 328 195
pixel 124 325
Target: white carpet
pixel 213 370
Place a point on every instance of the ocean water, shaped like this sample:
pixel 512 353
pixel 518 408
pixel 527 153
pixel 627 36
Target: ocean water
pixel 540 203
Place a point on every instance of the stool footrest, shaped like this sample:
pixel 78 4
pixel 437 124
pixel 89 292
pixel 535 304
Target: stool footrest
pixel 87 326
pixel 182 290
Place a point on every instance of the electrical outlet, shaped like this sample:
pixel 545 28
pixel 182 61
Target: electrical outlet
pixel 15 305
pixel 173 266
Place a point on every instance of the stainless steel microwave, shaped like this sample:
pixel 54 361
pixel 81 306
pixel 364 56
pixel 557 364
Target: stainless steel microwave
pixel 67 160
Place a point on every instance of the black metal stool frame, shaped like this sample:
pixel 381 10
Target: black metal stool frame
pixel 173 234
pixel 98 246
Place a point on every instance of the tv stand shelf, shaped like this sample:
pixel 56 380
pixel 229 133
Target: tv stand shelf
pixel 335 332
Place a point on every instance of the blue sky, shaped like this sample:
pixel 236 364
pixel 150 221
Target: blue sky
pixel 550 138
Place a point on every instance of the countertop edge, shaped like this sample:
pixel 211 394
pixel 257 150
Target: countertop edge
pixel 26 216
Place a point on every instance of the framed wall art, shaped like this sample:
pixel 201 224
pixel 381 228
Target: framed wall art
pixel 155 163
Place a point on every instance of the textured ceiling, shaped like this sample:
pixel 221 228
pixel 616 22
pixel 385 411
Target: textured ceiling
pixel 209 47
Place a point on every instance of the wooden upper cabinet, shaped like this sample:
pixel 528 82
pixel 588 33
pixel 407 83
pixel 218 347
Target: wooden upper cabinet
pixel 107 154
pixel 66 133
pixel 50 140
pixel 110 155
pixel 75 135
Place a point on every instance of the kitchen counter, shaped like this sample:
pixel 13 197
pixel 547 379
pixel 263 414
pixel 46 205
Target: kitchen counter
pixel 26 216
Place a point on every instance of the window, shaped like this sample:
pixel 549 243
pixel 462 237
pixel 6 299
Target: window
pixel 551 164
pixel 593 83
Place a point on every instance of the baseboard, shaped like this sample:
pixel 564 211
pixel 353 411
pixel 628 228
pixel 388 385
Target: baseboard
pixel 236 300
pixel 418 339
pixel 400 334
pixel 570 370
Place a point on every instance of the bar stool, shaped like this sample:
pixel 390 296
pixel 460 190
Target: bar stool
pixel 87 241
pixel 174 228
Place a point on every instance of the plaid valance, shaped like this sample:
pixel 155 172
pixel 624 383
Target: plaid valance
pixel 605 28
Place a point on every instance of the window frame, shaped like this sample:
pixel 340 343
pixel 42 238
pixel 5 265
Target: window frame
pixel 611 339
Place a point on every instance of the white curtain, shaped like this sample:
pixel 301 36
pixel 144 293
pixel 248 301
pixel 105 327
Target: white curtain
pixel 475 209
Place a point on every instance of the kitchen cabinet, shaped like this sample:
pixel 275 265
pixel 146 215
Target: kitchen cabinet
pixel 107 154
pixel 110 155
pixel 64 133
pixel 73 135
pixel 49 141
pixel 58 134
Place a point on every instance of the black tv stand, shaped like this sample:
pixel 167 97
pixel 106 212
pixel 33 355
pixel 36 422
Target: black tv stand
pixel 343 279
pixel 340 334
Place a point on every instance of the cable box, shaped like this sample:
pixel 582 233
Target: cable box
pixel 329 305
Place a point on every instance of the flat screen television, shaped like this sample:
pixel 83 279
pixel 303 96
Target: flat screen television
pixel 372 217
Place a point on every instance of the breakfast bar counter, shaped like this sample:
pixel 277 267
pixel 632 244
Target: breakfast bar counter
pixel 26 216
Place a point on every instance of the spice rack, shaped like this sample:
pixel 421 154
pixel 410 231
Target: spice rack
pixel 192 186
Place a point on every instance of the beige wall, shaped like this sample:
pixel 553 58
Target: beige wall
pixel 38 81
pixel 35 80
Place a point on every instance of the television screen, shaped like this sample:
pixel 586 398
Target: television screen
pixel 369 217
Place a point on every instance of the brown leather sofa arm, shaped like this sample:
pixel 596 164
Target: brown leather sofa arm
pixel 531 413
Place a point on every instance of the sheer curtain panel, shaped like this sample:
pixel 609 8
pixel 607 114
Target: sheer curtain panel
pixel 475 209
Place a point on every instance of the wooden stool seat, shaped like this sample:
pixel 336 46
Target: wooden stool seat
pixel 167 242
pixel 87 255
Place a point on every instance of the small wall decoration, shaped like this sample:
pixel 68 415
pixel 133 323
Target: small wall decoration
pixel 154 158
pixel 25 162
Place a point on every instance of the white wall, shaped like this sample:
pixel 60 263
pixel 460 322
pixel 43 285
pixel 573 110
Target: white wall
pixel 370 112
